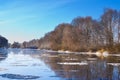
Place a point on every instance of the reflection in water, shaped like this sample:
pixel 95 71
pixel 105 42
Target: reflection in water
pixel 3 54
pixel 34 64
pixel 73 67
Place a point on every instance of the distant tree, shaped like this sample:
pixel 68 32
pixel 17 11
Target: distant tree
pixel 118 41
pixel 15 45
pixel 86 30
pixel 24 44
pixel 67 37
pixel 109 22
pixel 3 42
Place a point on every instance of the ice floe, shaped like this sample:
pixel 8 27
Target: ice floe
pixel 72 63
pixel 93 59
pixel 114 64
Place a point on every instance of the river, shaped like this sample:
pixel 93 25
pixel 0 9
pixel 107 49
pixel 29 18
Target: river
pixel 31 64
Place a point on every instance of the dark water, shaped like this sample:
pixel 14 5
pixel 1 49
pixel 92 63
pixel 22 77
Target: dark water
pixel 28 64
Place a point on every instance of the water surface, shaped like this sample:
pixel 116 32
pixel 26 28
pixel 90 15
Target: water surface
pixel 28 64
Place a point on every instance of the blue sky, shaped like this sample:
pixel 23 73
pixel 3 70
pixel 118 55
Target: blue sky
pixel 24 20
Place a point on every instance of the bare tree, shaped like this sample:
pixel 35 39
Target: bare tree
pixel 108 20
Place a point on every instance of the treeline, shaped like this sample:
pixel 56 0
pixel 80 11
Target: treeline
pixel 3 42
pixel 83 34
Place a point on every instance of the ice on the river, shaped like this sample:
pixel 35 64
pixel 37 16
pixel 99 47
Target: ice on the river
pixel 114 64
pixel 72 63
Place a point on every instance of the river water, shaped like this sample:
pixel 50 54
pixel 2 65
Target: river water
pixel 28 64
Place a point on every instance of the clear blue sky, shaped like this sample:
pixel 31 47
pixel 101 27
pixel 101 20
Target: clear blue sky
pixel 24 20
